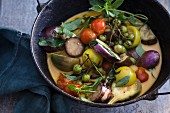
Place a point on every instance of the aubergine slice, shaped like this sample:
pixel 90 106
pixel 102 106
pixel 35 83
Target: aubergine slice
pixel 101 94
pixel 147 36
pixel 126 60
pixel 64 63
pixel 125 93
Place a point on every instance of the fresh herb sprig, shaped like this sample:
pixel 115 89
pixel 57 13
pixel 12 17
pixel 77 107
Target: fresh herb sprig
pixel 110 8
pixel 68 27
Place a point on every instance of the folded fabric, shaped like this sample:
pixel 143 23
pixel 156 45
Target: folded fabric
pixel 18 73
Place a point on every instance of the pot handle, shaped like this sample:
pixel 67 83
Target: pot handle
pixel 154 95
pixel 40 6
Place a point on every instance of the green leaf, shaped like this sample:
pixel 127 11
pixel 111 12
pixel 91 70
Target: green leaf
pixel 111 14
pixel 123 81
pixel 58 30
pixel 117 4
pixel 73 25
pixel 72 87
pixel 94 86
pixel 84 99
pixel 72 77
pixel 52 42
pixel 93 42
pixel 122 17
pixel 68 33
pixel 112 73
pixel 96 2
pixel 133 21
pixel 140 50
pixel 96 8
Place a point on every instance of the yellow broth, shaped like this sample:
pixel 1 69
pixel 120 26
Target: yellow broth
pixel 145 86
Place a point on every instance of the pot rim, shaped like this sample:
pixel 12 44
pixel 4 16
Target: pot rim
pixel 100 105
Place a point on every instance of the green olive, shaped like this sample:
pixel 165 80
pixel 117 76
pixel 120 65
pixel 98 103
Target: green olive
pixel 119 49
pixel 123 29
pixel 102 38
pixel 85 77
pixel 77 69
pixel 127 44
pixel 131 37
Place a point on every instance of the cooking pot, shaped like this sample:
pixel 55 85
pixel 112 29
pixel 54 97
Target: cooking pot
pixel 57 11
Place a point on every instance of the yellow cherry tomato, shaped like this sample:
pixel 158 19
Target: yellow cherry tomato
pixel 126 71
pixel 95 57
pixel 137 39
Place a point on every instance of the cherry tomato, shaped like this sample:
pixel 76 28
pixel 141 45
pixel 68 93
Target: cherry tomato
pixel 98 26
pixel 142 75
pixel 126 71
pixel 94 57
pixel 87 35
pixel 106 65
pixel 136 33
pixel 62 83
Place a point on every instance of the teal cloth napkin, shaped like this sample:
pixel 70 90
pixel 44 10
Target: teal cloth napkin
pixel 18 73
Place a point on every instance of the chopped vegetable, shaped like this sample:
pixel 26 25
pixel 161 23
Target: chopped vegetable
pixel 105 51
pixel 125 93
pixel 98 26
pixel 136 33
pixel 64 63
pixel 142 75
pixel 126 60
pixel 149 59
pixel 123 72
pixel 147 36
pixel 74 47
pixel 87 35
pixel 95 57
pixel 77 69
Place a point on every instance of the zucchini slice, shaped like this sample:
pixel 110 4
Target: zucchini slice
pixel 125 93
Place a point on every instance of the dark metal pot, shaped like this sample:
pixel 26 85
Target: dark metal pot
pixel 57 11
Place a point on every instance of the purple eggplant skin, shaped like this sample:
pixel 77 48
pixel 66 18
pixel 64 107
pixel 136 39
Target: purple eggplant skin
pixel 132 53
pixel 48 32
pixel 149 59
pixel 100 49
pixel 101 94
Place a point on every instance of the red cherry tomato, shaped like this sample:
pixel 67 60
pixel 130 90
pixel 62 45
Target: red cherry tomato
pixel 142 75
pixel 87 35
pixel 98 26
pixel 106 65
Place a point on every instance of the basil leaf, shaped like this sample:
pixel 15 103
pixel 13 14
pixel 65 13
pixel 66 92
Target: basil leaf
pixel 94 86
pixel 133 21
pixel 93 42
pixel 140 50
pixel 84 99
pixel 72 87
pixel 70 26
pixel 123 81
pixel 96 2
pixel 72 77
pixel 117 3
pixel 58 30
pixel 112 73
pixel 122 17
pixel 52 42
pixel 96 8
pixel 68 33
pixel 111 14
